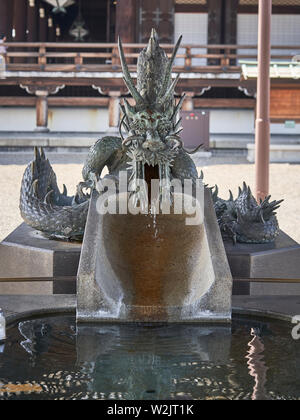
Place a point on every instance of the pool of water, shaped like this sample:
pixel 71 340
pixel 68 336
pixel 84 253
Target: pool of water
pixel 52 358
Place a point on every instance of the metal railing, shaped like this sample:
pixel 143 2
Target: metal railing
pixel 77 57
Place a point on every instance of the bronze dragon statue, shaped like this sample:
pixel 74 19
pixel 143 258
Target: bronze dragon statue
pixel 244 219
pixel 149 138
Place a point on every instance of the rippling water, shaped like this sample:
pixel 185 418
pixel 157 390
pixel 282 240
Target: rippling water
pixel 49 358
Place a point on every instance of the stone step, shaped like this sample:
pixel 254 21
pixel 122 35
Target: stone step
pixel 279 153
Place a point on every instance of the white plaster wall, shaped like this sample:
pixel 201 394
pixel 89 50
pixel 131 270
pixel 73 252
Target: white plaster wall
pixel 222 121
pixel 78 119
pixel 234 121
pixel 281 129
pixel 60 119
pixel 17 119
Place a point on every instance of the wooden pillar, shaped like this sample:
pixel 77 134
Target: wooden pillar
pixel 43 24
pixel 262 127
pixel 114 110
pixel 19 20
pixel 188 103
pixel 108 20
pixel 6 14
pixel 230 21
pixel 51 30
pixel 42 111
pixel 32 20
pixel 125 26
pixel 126 20
pixel 214 29
pixel 230 27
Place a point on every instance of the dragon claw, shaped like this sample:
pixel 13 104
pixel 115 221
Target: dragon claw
pixel 84 185
pixel 89 184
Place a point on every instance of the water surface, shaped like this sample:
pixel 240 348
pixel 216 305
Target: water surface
pixel 49 358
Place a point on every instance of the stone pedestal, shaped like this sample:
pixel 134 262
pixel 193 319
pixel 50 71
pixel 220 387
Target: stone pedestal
pixel 27 253
pixel 280 259
pixel 137 268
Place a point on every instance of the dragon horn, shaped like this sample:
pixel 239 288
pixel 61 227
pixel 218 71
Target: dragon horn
pixel 129 110
pixel 177 124
pixel 37 155
pixel 32 168
pixel 215 193
pixel 152 42
pixel 43 153
pixel 47 199
pixel 127 77
pixel 261 213
pixel 170 89
pixel 178 106
pixel 168 73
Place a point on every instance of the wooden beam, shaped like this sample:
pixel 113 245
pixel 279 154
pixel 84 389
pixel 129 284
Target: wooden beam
pixel 17 101
pixel 190 8
pixel 103 102
pixel 80 101
pixel 60 101
pixel 224 103
pixel 280 10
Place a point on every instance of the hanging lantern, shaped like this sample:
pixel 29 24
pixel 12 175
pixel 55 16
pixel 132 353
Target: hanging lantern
pixel 59 6
pixel 42 13
pixel 78 29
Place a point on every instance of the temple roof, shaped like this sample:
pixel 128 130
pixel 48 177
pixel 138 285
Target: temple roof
pixel 278 69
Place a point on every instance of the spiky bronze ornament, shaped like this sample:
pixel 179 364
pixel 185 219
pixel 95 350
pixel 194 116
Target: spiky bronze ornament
pixel 244 219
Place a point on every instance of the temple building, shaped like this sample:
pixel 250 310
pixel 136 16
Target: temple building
pixel 63 72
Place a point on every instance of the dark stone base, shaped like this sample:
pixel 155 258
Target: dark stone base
pixel 27 253
pixel 280 259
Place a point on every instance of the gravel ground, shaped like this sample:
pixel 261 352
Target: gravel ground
pixel 285 183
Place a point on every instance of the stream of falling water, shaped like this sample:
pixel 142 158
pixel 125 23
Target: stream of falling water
pixel 153 220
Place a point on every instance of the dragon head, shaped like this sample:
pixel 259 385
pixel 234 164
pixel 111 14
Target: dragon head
pixel 152 126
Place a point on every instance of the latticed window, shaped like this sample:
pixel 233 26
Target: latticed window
pixel 274 2
pixel 190 2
